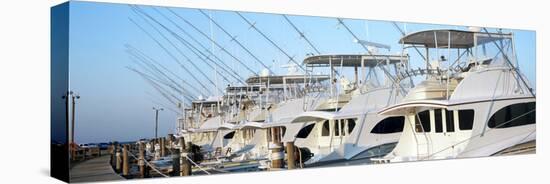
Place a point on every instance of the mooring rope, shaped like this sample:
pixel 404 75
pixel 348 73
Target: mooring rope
pixel 150 165
pixel 196 165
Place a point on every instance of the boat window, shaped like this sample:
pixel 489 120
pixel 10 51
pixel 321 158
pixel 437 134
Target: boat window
pixel 351 125
pixel 438 121
pixel 304 132
pixel 450 120
pixel 465 119
pixel 422 123
pixel 514 115
pixel 325 129
pixel 389 125
pixel 283 131
pixel 229 135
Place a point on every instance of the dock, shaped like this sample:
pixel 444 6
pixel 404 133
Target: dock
pixel 96 169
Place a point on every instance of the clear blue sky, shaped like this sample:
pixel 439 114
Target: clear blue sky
pixel 116 104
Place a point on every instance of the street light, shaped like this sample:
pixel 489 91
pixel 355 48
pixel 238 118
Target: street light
pixel 157 120
pixel 72 95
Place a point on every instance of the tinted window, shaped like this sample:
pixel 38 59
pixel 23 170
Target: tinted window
pixel 423 121
pixel 514 115
pixel 336 128
pixel 325 129
pixel 389 125
pixel 351 125
pixel 450 120
pixel 304 132
pixel 465 119
pixel 229 135
pixel 438 120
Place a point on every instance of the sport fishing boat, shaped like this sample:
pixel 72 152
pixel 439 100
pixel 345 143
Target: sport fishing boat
pixel 473 102
pixel 355 130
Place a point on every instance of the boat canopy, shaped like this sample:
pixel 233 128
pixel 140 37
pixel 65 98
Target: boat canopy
pixel 280 79
pixel 353 60
pixel 459 38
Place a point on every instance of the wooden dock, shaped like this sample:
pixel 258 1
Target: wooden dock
pixel 96 169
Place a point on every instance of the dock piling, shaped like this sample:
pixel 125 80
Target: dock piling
pixel 291 159
pixel 176 162
pixel 125 161
pixel 118 160
pixel 141 161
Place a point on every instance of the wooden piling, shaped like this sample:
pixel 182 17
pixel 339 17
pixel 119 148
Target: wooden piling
pixel 277 155
pixel 125 161
pixel 176 168
pixel 181 142
pixel 118 160
pixel 162 147
pixel 141 160
pixel 170 140
pixel 291 159
pixel 185 164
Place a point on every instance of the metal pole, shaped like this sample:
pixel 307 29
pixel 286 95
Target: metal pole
pixel 156 123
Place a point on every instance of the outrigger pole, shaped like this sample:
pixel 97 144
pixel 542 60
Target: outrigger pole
pixel 214 42
pixel 187 59
pixel 302 35
pixel 148 61
pixel 170 54
pixel 187 44
pixel 253 26
pixel 341 22
pixel 234 38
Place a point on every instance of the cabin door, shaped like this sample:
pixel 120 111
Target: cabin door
pixel 338 133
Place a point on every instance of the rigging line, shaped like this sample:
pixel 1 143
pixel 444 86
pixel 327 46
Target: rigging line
pixel 175 87
pixel 234 38
pixel 158 78
pixel 187 58
pixel 140 61
pixel 252 25
pixel 160 90
pixel 387 73
pixel 168 52
pixel 165 106
pixel 510 63
pixel 213 41
pixel 143 55
pixel 301 34
pixel 174 34
pixel 173 57
pixel 163 67
pixel 148 77
pixel 187 44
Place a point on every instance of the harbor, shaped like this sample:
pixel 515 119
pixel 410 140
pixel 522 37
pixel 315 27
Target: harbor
pixel 206 92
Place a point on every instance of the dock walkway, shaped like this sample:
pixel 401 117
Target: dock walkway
pixel 96 169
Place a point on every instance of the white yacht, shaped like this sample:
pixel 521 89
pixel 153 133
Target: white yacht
pixel 474 101
pixel 355 130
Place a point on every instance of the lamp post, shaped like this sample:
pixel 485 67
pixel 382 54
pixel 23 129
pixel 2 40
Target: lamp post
pixel 72 96
pixel 157 120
